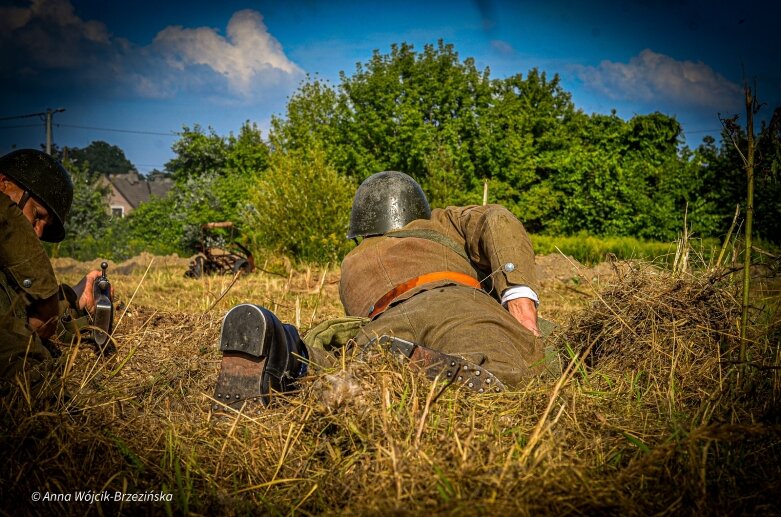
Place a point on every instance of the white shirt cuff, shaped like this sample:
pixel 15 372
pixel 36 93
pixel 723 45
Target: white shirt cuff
pixel 519 291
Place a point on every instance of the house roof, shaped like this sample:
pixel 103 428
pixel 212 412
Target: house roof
pixel 136 189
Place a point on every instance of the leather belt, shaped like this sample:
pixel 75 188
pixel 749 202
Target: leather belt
pixel 452 276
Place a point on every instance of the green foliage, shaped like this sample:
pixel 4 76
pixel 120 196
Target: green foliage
pixel 152 224
pixel 310 119
pixel 172 224
pixel 101 158
pixel 452 127
pixel 589 250
pixel 723 178
pixel 213 175
pixel 301 207
pixel 198 153
pixel 247 153
pixel 88 221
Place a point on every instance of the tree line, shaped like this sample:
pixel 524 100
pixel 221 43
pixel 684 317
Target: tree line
pixel 452 127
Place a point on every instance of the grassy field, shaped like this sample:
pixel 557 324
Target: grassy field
pixel 651 415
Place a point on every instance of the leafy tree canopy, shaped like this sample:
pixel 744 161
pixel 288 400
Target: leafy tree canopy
pixel 198 153
pixel 101 158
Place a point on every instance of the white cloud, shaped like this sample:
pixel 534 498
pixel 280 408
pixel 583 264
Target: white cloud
pixel 248 54
pixel 46 45
pixel 502 47
pixel 651 76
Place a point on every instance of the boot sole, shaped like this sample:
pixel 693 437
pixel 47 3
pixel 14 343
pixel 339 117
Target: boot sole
pixel 244 342
pixel 446 367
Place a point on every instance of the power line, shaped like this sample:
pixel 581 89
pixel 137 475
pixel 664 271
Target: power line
pixel 22 125
pixel 29 115
pixel 113 130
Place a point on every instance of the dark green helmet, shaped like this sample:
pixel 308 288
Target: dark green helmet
pixel 386 201
pixel 46 179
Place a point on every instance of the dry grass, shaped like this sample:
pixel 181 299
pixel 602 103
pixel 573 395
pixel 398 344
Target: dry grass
pixel 655 420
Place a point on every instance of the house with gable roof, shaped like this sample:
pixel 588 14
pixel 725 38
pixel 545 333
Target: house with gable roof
pixel 131 189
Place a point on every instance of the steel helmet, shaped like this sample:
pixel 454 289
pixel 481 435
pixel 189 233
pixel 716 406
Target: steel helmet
pixel 46 179
pixel 386 201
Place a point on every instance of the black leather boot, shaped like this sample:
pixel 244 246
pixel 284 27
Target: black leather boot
pixel 260 356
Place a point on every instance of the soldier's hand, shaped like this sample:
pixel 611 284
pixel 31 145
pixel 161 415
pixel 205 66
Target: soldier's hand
pixel 525 311
pixel 87 298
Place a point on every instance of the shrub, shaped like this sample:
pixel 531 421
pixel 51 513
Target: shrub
pixel 301 207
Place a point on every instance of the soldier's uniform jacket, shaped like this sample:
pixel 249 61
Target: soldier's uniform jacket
pixel 490 235
pixel 26 275
pixel 446 315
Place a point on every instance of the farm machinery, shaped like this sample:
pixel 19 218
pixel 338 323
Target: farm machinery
pixel 220 253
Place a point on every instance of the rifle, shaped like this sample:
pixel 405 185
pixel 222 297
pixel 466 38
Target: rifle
pixel 104 313
pixel 103 319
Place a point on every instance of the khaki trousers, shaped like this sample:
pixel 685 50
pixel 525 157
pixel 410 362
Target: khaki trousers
pixel 466 322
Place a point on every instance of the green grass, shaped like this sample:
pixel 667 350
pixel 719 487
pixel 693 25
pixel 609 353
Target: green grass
pixel 590 250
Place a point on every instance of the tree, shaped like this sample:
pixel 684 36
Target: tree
pixel 101 158
pixel 88 219
pixel 311 119
pixel 197 153
pixel 439 119
pixel 247 153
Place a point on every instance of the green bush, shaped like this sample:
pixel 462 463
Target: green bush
pixel 300 207
pixel 173 224
pixel 153 224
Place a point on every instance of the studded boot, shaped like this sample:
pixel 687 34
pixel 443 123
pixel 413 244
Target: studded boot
pixel 261 356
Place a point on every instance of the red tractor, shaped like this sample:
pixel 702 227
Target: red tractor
pixel 220 253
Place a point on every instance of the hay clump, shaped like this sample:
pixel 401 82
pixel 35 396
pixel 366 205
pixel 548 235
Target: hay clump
pixel 661 374
pixel 673 330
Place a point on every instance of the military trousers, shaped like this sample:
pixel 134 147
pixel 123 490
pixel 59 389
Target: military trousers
pixel 466 322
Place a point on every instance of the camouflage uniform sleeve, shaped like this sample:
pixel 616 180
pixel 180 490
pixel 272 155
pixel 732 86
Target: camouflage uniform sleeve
pixel 22 255
pixel 493 237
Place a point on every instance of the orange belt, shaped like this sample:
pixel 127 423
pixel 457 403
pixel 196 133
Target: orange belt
pixel 453 276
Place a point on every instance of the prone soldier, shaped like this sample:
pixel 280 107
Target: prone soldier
pixel 454 289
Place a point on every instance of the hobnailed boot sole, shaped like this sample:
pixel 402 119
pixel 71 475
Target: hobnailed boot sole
pixel 240 379
pixel 439 365
pixel 245 339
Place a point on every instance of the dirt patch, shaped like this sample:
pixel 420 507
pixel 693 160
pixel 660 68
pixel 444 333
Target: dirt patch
pixel 137 264
pixel 557 267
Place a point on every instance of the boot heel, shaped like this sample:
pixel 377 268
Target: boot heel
pixel 246 328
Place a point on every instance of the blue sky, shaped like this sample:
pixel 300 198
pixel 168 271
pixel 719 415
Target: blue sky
pixel 133 73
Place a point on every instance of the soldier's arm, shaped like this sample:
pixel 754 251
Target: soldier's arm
pixel 24 259
pixel 498 244
pixel 494 238
pixel 42 316
pixel 86 293
pixel 525 311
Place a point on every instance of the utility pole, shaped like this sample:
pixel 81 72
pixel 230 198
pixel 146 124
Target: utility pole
pixel 47 116
pixel 49 113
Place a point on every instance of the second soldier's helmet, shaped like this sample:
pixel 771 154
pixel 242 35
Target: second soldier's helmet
pixel 46 179
pixel 386 201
